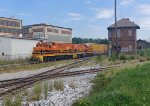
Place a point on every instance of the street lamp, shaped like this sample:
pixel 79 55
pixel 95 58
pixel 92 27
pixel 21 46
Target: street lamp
pixel 117 52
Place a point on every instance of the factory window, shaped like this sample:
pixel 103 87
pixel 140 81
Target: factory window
pixel 9 23
pixel 7 30
pixel 38 30
pixel 118 33
pixel 5 23
pixel 55 31
pixel 129 32
pixel 17 24
pixel 3 30
pixel 1 22
pixel 13 23
pixel 65 32
pixel 11 30
pixel 49 30
pixel 129 48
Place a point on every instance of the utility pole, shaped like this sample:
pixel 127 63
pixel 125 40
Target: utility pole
pixel 117 51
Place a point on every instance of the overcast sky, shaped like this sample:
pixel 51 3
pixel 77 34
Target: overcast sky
pixel 87 18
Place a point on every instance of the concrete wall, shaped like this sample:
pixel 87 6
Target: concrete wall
pixel 14 48
pixel 5 46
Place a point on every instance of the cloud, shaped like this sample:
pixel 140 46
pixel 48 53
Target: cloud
pixel 103 13
pixel 126 2
pixel 88 2
pixel 4 10
pixel 95 31
pixel 75 16
pixel 144 23
pixel 24 14
pixel 144 9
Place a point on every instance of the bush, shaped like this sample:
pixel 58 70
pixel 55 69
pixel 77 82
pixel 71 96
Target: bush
pixel 9 102
pixel 37 90
pixel 59 85
pixel 148 59
pixel 122 57
pixel 132 57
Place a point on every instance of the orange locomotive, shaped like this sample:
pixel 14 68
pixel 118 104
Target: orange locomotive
pixel 45 51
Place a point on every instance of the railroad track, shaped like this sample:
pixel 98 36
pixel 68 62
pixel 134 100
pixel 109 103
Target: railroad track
pixel 29 82
pixel 8 86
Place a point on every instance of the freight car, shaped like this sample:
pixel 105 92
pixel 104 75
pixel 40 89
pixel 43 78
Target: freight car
pixel 46 51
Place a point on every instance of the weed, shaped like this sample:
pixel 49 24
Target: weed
pixel 99 60
pixel 8 101
pixel 36 91
pixel 45 89
pixel 51 86
pixel 59 85
pixel 81 102
pixel 72 85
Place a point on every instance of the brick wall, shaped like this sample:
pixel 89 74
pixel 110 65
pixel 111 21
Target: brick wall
pixel 126 39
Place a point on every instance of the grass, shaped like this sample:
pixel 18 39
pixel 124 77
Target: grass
pixel 59 85
pixel 9 101
pixel 51 86
pixel 45 89
pixel 37 90
pixel 124 87
pixel 17 61
pixel 32 66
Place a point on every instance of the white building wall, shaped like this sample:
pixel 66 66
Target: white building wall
pixel 22 48
pixel 15 48
pixel 5 46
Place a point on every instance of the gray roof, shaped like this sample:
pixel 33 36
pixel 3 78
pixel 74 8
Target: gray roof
pixel 144 41
pixel 124 23
pixel 44 24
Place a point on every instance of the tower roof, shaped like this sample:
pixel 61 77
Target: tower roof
pixel 124 23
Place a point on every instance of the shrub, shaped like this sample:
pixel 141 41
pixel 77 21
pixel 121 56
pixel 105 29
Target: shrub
pixel 59 85
pixel 148 59
pixel 131 57
pixel 122 57
pixel 37 91
pixel 8 101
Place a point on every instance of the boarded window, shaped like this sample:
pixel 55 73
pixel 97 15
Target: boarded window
pixel 129 32
pixel 130 48
pixel 118 33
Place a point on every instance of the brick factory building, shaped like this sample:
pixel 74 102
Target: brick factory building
pixel 126 36
pixel 10 26
pixel 49 32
